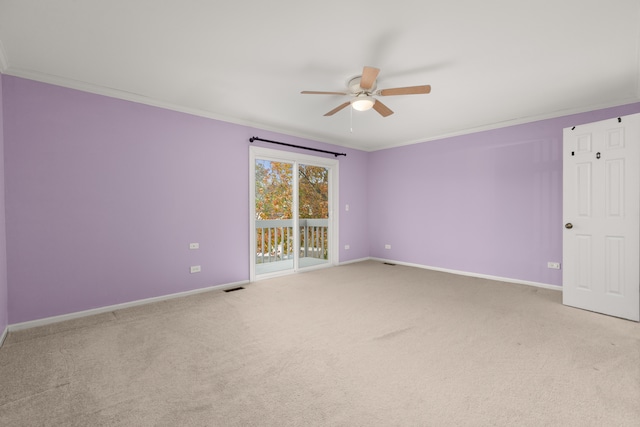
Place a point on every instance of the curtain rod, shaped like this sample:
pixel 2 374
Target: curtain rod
pixel 255 138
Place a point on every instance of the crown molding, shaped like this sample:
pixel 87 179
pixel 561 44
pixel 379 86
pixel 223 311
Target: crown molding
pixel 4 63
pixel 141 99
pixel 515 122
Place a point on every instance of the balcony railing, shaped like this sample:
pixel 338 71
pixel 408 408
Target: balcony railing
pixel 275 239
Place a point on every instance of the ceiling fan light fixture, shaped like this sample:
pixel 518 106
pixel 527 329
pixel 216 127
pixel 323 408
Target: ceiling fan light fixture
pixel 363 102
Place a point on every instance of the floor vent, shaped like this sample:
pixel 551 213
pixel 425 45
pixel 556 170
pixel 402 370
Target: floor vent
pixel 234 289
pixel 388 263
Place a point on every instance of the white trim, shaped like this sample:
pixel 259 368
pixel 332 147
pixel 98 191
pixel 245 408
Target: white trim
pixel 3 336
pixel 109 308
pixel 479 276
pixel 141 99
pixel 252 212
pixel 512 122
pixel 4 65
pixel 266 276
pixel 106 309
pixel 353 261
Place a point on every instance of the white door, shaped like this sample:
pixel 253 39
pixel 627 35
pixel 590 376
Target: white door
pixel 601 214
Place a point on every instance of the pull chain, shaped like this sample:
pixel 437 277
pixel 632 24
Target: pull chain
pixel 351 118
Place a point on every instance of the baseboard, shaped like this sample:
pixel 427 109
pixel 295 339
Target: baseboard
pixel 106 309
pixel 3 336
pixel 353 261
pixel 479 276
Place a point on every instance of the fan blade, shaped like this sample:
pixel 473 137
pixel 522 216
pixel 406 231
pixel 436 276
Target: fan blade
pixel 382 109
pixel 369 75
pixel 338 108
pixel 313 92
pixel 412 90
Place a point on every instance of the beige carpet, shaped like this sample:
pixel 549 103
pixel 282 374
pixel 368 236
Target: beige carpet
pixel 364 344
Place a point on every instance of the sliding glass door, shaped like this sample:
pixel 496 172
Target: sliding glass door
pixel 292 226
pixel 313 214
pixel 274 223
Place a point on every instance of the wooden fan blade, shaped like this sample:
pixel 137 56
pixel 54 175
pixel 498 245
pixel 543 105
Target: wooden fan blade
pixel 382 109
pixel 314 92
pixel 338 108
pixel 411 90
pixel 369 75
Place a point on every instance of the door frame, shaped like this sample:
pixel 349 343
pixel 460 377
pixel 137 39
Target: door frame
pixel 256 152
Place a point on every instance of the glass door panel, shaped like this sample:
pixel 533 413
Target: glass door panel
pixel 313 215
pixel 274 221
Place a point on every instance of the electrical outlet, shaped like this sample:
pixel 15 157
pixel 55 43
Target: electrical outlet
pixel 194 245
pixel 554 265
pixel 387 246
pixel 346 247
pixel 195 269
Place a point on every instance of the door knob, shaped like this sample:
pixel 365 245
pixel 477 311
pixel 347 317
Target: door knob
pixel 568 225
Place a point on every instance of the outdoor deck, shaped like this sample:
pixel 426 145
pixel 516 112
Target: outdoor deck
pixel 275 244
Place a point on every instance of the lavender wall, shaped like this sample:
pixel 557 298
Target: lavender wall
pixel 103 197
pixel 4 292
pixel 486 203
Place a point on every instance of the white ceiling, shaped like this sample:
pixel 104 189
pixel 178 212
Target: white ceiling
pixel 490 63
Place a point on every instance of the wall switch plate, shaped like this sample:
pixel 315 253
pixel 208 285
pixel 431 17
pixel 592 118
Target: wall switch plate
pixel 346 208
pixel 387 246
pixel 346 247
pixel 195 269
pixel 194 245
pixel 554 265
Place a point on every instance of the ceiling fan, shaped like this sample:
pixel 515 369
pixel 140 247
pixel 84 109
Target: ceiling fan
pixel 362 90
